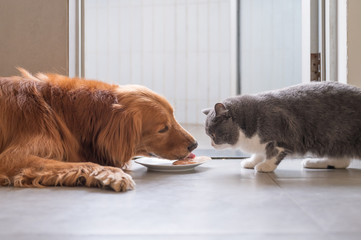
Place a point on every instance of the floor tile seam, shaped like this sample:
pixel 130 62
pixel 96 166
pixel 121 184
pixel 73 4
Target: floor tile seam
pixel 297 204
pixel 319 178
pixel 180 234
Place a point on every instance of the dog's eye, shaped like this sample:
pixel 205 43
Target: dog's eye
pixel 163 130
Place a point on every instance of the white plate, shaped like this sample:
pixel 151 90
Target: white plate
pixel 165 165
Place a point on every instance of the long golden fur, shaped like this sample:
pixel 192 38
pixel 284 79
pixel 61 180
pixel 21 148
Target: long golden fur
pixel 60 131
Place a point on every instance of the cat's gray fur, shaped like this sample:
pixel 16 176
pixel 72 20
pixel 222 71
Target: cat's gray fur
pixel 320 118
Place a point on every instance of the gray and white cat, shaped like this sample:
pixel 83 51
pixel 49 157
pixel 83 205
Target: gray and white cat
pixel 323 119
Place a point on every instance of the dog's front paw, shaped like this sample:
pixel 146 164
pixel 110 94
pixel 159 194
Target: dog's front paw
pixel 265 167
pixel 116 179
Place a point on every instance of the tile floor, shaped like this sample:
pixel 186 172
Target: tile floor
pixel 217 200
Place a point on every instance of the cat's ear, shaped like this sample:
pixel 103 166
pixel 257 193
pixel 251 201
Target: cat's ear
pixel 206 111
pixel 220 109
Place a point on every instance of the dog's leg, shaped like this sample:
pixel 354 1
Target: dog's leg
pixel 33 171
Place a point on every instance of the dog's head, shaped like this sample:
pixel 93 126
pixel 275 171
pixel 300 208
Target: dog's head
pixel 159 134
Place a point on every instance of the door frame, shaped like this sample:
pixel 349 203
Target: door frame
pixel 324 31
pixel 76 38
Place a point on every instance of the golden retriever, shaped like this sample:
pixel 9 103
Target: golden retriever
pixel 60 131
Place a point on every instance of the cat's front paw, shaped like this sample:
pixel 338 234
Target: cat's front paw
pixel 251 162
pixel 265 167
pixel 248 163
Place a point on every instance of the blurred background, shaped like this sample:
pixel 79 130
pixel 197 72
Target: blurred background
pixel 187 50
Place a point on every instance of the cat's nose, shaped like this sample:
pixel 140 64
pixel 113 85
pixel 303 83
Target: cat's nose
pixel 193 146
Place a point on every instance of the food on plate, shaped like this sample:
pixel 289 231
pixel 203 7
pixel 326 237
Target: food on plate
pixel 190 159
pixel 184 162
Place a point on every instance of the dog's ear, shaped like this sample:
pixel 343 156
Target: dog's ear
pixel 220 109
pixel 120 136
pixel 206 111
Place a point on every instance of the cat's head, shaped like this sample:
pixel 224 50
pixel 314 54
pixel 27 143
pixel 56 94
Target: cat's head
pixel 221 127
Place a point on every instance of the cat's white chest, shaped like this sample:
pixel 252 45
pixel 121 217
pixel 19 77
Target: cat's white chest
pixel 250 145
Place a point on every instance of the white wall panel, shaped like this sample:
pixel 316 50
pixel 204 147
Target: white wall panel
pixel 270 44
pixel 179 48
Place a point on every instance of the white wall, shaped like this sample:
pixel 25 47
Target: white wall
pixel 179 48
pixel 270 44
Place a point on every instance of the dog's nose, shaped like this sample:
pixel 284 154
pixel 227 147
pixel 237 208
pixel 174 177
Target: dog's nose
pixel 192 146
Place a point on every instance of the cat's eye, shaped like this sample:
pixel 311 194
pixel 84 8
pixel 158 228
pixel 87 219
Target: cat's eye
pixel 213 135
pixel 163 130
